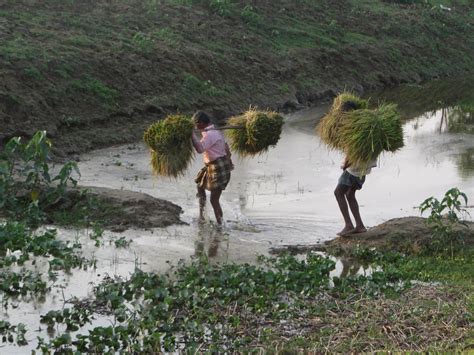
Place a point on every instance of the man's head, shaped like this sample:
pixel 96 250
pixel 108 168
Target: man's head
pixel 201 120
pixel 349 106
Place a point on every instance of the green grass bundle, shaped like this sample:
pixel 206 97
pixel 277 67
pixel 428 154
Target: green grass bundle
pixel 370 132
pixel 170 144
pixel 328 127
pixel 261 130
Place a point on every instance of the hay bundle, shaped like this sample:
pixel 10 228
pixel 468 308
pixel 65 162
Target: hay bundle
pixel 261 130
pixel 370 132
pixel 361 133
pixel 329 125
pixel 170 143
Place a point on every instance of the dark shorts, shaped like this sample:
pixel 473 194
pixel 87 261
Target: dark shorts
pixel 350 180
pixel 215 175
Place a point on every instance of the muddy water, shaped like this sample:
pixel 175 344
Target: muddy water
pixel 282 197
pixel 286 195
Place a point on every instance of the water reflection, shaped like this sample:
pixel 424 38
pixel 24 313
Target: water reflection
pixel 465 163
pixel 460 120
pixel 415 100
pixel 210 240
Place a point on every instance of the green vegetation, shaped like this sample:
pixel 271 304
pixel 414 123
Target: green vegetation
pixel 246 307
pixel 95 88
pixel 27 189
pixel 221 307
pixel 444 218
pixel 13 333
pixel 170 145
pixel 259 131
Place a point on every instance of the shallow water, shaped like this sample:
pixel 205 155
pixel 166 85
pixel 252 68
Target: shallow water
pixel 282 197
pixel 285 196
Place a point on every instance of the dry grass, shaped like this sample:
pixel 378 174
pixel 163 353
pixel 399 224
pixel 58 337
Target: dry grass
pixel 170 145
pixel 426 317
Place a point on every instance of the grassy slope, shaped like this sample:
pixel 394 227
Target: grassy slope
pixel 95 73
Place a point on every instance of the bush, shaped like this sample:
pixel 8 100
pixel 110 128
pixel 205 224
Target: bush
pixel 26 187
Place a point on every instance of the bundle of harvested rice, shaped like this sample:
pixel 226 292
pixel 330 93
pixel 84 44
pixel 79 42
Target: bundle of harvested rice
pixel 367 133
pixel 328 127
pixel 261 130
pixel 170 144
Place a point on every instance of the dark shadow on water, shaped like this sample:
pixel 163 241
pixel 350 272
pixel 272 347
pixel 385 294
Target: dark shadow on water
pixel 465 163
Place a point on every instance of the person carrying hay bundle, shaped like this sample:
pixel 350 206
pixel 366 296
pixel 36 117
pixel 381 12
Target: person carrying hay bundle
pixel 362 134
pixel 215 175
pixel 351 180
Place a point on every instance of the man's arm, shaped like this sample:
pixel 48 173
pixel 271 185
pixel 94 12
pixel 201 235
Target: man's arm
pixel 197 143
pixel 345 164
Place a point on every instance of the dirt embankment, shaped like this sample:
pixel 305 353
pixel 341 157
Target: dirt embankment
pixel 119 210
pixel 406 234
pixel 96 73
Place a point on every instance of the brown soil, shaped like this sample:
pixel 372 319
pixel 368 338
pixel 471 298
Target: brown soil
pixel 407 234
pixel 130 209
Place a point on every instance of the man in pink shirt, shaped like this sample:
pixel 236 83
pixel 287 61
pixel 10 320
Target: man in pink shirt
pixel 216 174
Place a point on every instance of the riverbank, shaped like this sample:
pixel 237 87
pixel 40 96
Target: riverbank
pixel 95 74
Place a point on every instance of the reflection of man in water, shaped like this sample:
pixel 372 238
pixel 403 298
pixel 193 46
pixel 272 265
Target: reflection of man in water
pixel 210 235
pixel 216 174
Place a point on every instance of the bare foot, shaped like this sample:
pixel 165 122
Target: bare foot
pixel 346 231
pixel 359 230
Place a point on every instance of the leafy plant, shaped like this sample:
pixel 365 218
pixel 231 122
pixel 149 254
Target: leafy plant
pixel 205 306
pixel 122 242
pixel 74 318
pixel 444 217
pixel 27 188
pixel 8 333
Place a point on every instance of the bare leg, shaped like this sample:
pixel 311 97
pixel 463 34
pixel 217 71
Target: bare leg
pixel 354 206
pixel 340 194
pixel 201 195
pixel 215 196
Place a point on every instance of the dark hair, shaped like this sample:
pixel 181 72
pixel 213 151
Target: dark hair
pixel 201 117
pixel 349 106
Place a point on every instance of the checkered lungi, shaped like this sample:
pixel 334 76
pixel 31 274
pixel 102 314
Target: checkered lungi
pixel 215 175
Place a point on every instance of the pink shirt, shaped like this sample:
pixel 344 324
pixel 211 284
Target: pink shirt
pixel 212 144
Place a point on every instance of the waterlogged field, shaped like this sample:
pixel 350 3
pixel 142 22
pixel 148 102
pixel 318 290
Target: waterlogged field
pixel 200 288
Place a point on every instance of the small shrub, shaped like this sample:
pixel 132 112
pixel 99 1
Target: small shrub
pixel 444 217
pixel 26 187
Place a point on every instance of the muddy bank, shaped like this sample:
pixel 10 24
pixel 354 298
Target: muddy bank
pixel 122 209
pixel 407 234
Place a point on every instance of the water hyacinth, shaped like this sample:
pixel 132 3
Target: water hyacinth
pixel 328 127
pixel 170 145
pixel 261 130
